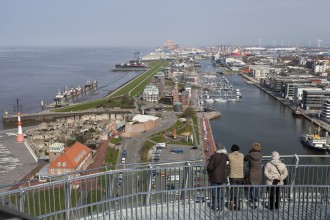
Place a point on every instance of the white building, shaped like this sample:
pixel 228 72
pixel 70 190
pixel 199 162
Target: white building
pixel 260 71
pixel 298 94
pixel 325 115
pixel 151 93
pixel 320 68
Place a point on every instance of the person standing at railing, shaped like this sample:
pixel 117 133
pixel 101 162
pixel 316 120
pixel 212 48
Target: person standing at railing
pixel 236 175
pixel 216 170
pixel 254 159
pixel 275 172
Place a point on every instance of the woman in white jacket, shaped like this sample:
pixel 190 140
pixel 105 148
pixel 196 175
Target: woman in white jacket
pixel 275 172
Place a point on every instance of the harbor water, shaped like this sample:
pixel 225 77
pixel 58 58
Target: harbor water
pixel 34 74
pixel 258 117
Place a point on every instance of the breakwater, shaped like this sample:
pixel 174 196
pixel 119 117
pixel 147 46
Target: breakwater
pixel 49 116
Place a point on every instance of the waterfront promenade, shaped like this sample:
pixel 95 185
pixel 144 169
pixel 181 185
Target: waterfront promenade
pixel 206 137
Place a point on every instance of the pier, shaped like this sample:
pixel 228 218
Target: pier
pixel 62 98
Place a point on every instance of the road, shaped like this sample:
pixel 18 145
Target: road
pixel 133 145
pixel 133 181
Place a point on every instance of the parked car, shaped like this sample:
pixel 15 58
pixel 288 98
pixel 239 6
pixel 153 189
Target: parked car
pixel 200 198
pixel 162 145
pixel 173 177
pixel 179 151
pixel 170 186
pixel 158 151
pixel 173 150
pixel 124 153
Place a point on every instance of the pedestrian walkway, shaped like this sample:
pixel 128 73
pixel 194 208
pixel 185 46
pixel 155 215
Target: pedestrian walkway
pixel 99 156
pixel 192 210
pixel 207 138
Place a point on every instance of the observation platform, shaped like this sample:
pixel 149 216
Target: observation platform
pixel 173 190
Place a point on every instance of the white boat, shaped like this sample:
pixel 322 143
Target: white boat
pixel 59 96
pixel 314 141
pixel 209 100
pixel 220 100
pixel 238 93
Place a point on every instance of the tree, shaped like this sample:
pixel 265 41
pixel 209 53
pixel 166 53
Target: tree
pixel 189 112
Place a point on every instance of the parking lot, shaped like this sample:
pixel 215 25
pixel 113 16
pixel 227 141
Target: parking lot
pixel 176 153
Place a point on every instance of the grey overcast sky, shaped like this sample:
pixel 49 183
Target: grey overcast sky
pixel 150 22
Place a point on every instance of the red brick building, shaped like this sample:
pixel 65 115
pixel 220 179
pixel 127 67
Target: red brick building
pixel 77 157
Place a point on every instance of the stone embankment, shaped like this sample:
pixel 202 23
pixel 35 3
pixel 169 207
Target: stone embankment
pixel 211 115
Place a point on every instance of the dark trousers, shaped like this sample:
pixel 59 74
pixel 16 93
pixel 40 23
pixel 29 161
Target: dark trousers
pixel 217 196
pixel 235 192
pixel 274 196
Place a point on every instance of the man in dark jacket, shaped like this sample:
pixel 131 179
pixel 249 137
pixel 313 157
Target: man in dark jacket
pixel 216 169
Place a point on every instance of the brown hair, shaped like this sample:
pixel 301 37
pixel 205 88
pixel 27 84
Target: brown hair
pixel 256 147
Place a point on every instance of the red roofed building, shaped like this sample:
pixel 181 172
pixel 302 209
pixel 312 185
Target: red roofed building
pixel 77 157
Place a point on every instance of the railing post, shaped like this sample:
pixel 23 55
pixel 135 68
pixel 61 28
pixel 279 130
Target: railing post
pixel 110 187
pixel 67 195
pixel 148 185
pixel 21 200
pixel 293 176
pixel 296 161
pixel 185 179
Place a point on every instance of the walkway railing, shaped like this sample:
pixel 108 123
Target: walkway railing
pixel 175 190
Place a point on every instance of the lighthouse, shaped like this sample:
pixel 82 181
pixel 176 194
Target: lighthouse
pixel 20 137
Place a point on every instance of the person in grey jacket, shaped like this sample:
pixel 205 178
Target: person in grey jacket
pixel 216 170
pixel 275 172
pixel 254 159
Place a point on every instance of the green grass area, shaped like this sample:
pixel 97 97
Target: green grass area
pixel 122 102
pixel 46 201
pixel 94 195
pixel 136 86
pixel 133 88
pixel 144 151
pixel 180 141
pixel 82 106
pixel 111 157
pixel 195 120
pixel 181 127
pixel 115 140
pixel 158 139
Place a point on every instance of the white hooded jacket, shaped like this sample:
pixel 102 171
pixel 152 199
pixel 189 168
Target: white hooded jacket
pixel 272 173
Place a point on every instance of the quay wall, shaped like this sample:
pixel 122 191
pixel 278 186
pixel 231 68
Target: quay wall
pixel 323 125
pixel 44 116
pixel 207 139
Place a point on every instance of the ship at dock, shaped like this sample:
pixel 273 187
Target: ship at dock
pixel 62 97
pixel 229 58
pixel 315 141
pixel 132 65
